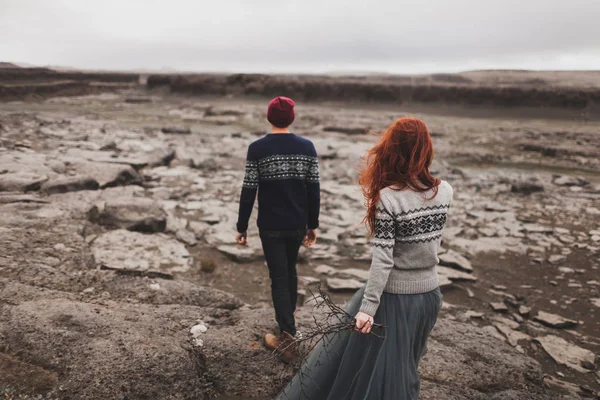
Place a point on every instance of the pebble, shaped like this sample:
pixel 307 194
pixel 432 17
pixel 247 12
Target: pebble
pixel 566 270
pixel 524 310
pixel 325 270
pixel 499 306
pixel 557 259
pixel 154 286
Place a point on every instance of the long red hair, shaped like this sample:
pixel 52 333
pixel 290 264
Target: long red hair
pixel 400 160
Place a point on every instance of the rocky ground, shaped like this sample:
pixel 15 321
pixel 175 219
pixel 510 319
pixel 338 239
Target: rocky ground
pixel 120 277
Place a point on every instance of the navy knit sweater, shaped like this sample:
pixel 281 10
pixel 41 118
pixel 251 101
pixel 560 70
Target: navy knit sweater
pixel 284 169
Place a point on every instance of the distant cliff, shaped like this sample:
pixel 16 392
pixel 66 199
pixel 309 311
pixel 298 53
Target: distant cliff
pixel 18 83
pixel 438 88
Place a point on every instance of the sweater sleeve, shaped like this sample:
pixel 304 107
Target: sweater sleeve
pixel 249 189
pixel 383 258
pixel 313 189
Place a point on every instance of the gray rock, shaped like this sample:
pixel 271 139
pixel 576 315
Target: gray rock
pixel 472 314
pixel 499 306
pixel 526 187
pixel 557 259
pixel 239 253
pixel 186 237
pixel 136 161
pixel 199 228
pixel 524 311
pixel 505 321
pixel 325 270
pixel 565 180
pixel 358 130
pixel 176 130
pixel 108 175
pixel 12 197
pixel 126 250
pixel 135 214
pixel 175 223
pixel 308 280
pixel 455 260
pixel 21 181
pixel 69 184
pixel 558 385
pixel 565 353
pixel 337 284
pixel 554 321
pixel 512 336
pixel 454 275
pixel 360 274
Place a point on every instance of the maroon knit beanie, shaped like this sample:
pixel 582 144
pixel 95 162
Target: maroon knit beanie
pixel 281 112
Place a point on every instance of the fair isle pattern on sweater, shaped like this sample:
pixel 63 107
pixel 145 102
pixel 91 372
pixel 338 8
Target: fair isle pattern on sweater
pixel 289 167
pixel 279 167
pixel 414 226
pixel 251 175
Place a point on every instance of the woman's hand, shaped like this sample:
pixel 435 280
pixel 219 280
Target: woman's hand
pixel 364 322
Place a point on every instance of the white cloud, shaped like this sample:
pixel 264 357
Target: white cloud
pixel 302 35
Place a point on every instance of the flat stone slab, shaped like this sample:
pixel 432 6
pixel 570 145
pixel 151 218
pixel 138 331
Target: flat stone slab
pixel 239 253
pixel 359 274
pixel 499 306
pixel 554 320
pixel 11 197
pixel 108 175
pixel 325 270
pixel 108 157
pixel 66 184
pixel 454 275
pixel 21 181
pixel 133 213
pixel 565 353
pixel 454 259
pixel 337 284
pixel 127 250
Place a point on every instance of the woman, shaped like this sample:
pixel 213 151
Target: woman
pixel 406 212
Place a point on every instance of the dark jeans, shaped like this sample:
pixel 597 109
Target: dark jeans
pixel 281 252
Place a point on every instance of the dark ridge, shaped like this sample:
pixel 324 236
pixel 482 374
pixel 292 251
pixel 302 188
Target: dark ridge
pixel 439 88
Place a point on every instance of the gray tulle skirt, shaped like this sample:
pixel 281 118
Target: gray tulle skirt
pixel 354 366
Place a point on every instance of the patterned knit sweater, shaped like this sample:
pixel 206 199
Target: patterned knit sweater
pixel 408 232
pixel 284 169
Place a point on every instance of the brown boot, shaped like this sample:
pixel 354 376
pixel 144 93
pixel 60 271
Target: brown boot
pixel 272 342
pixel 285 346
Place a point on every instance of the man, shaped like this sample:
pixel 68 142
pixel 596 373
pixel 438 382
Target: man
pixel 284 169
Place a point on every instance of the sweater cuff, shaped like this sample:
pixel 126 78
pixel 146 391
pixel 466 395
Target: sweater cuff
pixel 241 228
pixel 369 308
pixel 314 225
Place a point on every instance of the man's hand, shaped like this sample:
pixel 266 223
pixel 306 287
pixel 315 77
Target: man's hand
pixel 242 238
pixel 310 238
pixel 364 322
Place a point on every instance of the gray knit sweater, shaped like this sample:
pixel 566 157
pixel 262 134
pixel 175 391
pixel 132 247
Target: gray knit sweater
pixel 408 233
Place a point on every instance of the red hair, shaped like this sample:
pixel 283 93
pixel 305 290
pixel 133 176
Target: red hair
pixel 400 160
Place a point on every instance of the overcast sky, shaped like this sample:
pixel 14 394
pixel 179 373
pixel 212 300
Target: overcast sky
pixel 397 36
